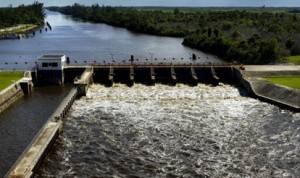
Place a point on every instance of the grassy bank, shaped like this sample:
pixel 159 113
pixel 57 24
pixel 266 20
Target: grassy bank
pixel 293 82
pixel 19 29
pixel 8 78
pixel 294 59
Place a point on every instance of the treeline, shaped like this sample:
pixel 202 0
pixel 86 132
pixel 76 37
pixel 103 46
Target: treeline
pixel 30 14
pixel 251 37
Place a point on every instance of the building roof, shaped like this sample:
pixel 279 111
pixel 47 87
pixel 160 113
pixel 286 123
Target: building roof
pixel 51 57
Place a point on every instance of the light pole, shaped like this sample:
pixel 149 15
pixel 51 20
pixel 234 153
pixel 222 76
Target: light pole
pixel 112 57
pixel 151 54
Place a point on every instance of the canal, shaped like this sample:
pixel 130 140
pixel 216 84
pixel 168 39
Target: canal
pixel 21 121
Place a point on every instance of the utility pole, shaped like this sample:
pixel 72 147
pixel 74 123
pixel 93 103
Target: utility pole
pixel 151 54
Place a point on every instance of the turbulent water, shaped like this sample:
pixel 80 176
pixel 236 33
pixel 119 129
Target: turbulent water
pixel 181 131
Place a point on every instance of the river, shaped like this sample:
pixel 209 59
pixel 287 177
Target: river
pixel 83 41
pixel 181 131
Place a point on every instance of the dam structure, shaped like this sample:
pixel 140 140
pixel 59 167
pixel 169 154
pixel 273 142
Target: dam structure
pixel 82 76
pixel 108 74
pixel 151 74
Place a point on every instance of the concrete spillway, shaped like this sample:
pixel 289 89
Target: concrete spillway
pixel 151 74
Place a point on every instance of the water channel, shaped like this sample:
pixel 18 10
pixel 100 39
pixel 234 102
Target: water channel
pixel 142 131
pixel 21 121
pixel 181 131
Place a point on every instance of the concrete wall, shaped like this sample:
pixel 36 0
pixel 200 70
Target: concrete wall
pixel 9 95
pixel 264 90
pixel 45 77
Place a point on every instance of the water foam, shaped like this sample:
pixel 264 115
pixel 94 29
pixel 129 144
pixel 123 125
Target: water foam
pixel 179 131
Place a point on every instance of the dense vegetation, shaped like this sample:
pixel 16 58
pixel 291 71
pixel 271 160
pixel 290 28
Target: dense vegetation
pixel 251 37
pixel 31 14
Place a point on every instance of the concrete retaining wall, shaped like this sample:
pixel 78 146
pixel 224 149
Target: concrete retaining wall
pixel 15 91
pixel 264 90
pixel 28 163
pixel 9 95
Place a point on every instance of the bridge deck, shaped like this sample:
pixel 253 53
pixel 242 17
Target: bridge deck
pixel 149 65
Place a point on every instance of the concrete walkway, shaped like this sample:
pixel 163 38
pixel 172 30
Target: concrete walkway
pixel 256 68
pixel 270 70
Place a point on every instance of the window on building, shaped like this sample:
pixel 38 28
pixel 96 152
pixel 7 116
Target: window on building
pixel 54 64
pixel 44 64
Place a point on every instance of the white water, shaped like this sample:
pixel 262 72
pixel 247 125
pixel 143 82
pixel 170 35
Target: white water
pixel 180 131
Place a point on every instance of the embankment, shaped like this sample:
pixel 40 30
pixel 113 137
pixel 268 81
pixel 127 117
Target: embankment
pixel 264 90
pixel 15 91
pixel 9 95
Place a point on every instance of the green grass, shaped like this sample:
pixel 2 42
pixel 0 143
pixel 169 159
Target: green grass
pixel 292 81
pixel 294 59
pixel 8 78
pixel 22 28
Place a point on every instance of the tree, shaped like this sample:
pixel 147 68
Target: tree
pixel 290 43
pixel 209 31
pixel 216 32
pixel 176 11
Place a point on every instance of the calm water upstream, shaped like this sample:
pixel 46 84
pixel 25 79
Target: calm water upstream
pixel 87 41
pixel 181 131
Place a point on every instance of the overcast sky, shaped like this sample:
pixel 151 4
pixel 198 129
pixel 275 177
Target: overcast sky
pixel 190 3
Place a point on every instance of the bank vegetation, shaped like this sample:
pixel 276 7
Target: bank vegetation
pixel 21 18
pixel 256 36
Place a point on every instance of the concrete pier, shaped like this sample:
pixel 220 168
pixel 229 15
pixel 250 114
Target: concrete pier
pixel 84 81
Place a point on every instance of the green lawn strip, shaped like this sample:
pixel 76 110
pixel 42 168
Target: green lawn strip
pixel 8 78
pixel 18 29
pixel 289 81
pixel 294 59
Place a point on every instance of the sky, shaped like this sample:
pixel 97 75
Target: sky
pixel 173 3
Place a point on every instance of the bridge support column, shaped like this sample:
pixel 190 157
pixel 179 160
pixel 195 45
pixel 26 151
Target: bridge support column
pixel 152 74
pixel 111 76
pixel 131 76
pixel 194 76
pixel 173 75
pixel 215 78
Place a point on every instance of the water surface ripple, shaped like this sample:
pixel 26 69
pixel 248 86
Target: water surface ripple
pixel 181 131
